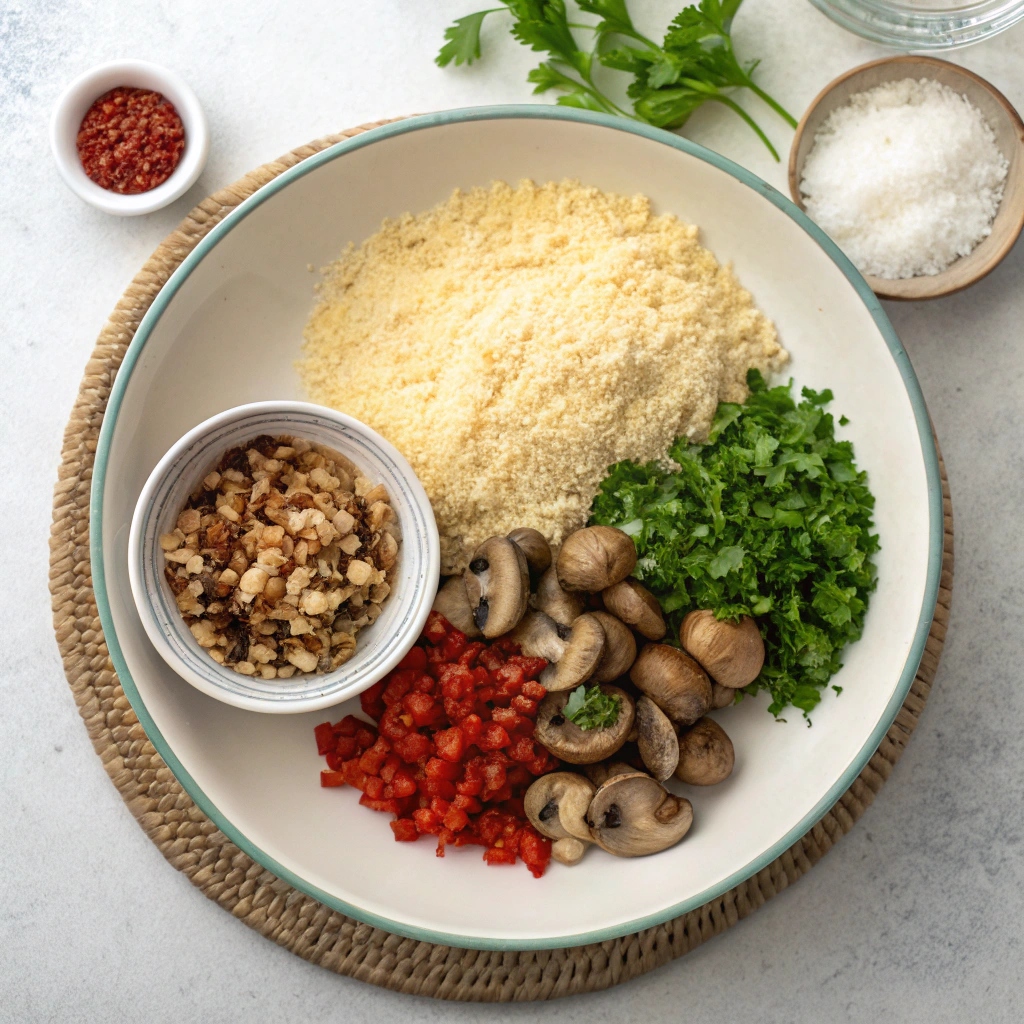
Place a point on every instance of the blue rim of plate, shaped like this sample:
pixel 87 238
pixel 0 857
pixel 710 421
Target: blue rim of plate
pixel 536 111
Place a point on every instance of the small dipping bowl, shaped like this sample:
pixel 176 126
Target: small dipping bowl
pixel 80 95
pixel 413 579
pixel 1009 132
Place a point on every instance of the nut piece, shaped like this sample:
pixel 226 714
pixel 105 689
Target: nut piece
pixel 656 738
pixel 566 740
pixel 564 607
pixel 619 648
pixel 574 652
pixel 637 607
pixel 557 803
pixel 452 602
pixel 732 653
pixel 706 754
pixel 498 586
pixel 569 850
pixel 534 545
pixel 633 815
pixel 674 681
pixel 595 558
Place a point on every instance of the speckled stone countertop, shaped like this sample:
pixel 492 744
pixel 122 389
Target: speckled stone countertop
pixel 915 916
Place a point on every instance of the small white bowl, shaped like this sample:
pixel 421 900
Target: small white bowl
pixel 379 647
pixel 80 95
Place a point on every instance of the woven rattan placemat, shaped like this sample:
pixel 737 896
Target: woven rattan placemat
pixel 193 844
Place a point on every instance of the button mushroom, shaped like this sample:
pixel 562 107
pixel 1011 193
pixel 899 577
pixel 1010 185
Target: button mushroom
pixel 595 558
pixel 721 696
pixel 656 738
pixel 498 586
pixel 562 606
pixel 574 651
pixel 674 681
pixel 566 740
pixel 534 546
pixel 619 648
pixel 706 754
pixel 569 850
pixel 452 602
pixel 604 770
pixel 732 653
pixel 557 803
pixel 636 606
pixel 634 815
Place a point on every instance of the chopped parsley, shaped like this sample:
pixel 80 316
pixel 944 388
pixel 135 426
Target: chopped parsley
pixel 770 518
pixel 592 708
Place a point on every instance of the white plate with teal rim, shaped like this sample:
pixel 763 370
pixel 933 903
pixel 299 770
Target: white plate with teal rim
pixel 226 330
pixel 379 647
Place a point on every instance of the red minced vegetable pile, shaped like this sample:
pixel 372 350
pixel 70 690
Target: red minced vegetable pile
pixel 453 751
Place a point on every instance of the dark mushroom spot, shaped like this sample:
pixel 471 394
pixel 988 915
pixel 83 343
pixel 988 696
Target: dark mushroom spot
pixel 613 817
pixel 558 720
pixel 478 565
pixel 549 810
pixel 480 613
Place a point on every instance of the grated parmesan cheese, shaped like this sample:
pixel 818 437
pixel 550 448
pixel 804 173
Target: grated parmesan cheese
pixel 513 343
pixel 906 178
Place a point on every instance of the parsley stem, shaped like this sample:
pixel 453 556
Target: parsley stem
pixel 750 121
pixel 780 110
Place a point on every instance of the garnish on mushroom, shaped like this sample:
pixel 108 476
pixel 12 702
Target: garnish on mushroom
pixel 674 681
pixel 636 606
pixel 498 586
pixel 706 754
pixel 633 815
pixel 732 653
pixel 534 546
pixel 619 648
pixel 557 803
pixel 452 602
pixel 595 558
pixel 566 740
pixel 573 651
pixel 656 738
pixel 564 607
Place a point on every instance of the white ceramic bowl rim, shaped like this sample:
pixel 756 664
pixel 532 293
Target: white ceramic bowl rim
pixel 929 456
pixel 81 93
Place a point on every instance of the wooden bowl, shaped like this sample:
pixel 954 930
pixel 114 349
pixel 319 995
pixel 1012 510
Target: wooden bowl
pixel 1009 132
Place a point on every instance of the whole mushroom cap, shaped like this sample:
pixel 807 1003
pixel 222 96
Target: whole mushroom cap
pixel 657 740
pixel 630 601
pixel 706 754
pixel 633 815
pixel 595 558
pixel 674 681
pixel 732 653
pixel 534 546
pixel 557 804
pixel 452 602
pixel 619 648
pixel 563 606
pixel 566 740
pixel 498 586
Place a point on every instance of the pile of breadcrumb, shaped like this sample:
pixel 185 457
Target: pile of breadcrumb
pixel 513 343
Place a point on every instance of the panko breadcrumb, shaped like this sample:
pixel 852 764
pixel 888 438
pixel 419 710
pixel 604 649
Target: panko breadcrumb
pixel 513 343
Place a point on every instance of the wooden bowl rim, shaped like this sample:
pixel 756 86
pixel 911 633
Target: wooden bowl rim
pixel 883 287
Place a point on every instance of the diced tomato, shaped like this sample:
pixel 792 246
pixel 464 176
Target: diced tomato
pixel 403 784
pixel 415 659
pixel 387 806
pixel 438 788
pixel 456 819
pixel 522 750
pixel 493 737
pixel 467 803
pixel 437 628
pixel 456 680
pixel 365 737
pixel 392 725
pixel 370 702
pixel 399 685
pixel 535 851
pixel 526 706
pixel 423 708
pixel 427 822
pixel 471 727
pixel 405 828
pixel 346 747
pixel 450 743
pixel 374 787
pixel 471 652
pixel 412 747
pixel 372 759
pixel 499 855
pixel 454 645
pixel 354 775
pixel 330 779
pixel 349 725
pixel 438 769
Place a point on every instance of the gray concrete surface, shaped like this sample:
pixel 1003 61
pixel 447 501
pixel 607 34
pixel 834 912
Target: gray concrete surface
pixel 916 916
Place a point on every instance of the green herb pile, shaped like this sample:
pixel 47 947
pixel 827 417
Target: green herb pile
pixel 693 65
pixel 592 708
pixel 770 518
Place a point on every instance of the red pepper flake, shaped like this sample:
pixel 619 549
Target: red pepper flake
pixel 130 140
pixel 454 751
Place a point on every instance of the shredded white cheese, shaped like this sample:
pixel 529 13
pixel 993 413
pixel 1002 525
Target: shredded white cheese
pixel 906 178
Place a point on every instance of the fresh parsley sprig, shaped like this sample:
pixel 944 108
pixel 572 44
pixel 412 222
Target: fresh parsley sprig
pixel 771 518
pixel 695 63
pixel 592 708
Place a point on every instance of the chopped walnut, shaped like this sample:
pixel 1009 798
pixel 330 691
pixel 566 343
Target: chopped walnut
pixel 262 560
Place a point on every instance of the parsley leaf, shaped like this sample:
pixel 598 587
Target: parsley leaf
pixel 770 518
pixel 463 37
pixel 592 708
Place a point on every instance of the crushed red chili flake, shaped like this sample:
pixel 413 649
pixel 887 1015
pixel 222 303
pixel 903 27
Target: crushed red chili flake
pixel 130 140
pixel 453 752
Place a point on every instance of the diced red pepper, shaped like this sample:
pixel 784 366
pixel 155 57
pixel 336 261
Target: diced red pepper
pixel 325 738
pixel 374 787
pixel 439 769
pixel 412 747
pixel 372 759
pixel 330 779
pixel 416 659
pixel 437 628
pixel 387 806
pixel 370 702
pixel 493 737
pixel 499 855
pixel 450 743
pixel 405 828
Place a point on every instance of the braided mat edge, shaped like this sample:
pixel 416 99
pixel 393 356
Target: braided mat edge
pixel 193 844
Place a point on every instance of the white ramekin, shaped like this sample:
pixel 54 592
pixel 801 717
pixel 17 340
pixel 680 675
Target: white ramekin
pixel 80 95
pixel 380 646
